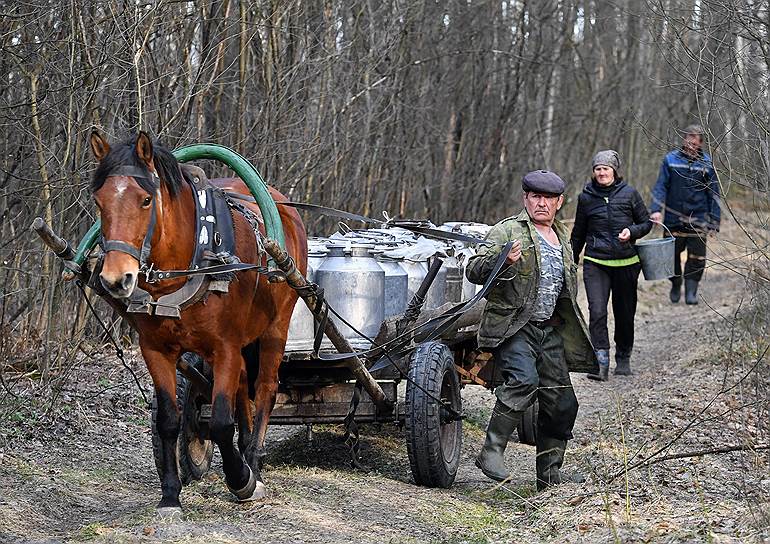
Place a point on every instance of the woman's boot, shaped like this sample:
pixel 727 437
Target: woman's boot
pixel 676 289
pixel 623 364
pixel 501 426
pixel 603 357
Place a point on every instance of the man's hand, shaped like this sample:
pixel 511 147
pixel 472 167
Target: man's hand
pixel 656 217
pixel 515 253
pixel 625 235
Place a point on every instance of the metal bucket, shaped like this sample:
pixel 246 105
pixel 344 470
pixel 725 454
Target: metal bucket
pixel 657 257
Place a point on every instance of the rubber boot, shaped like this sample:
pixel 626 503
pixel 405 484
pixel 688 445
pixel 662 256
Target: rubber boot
pixel 691 291
pixel 603 357
pixel 623 364
pixel 501 426
pixel 676 289
pixel 550 457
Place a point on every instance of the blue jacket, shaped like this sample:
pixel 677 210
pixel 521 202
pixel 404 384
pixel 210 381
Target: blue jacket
pixel 689 189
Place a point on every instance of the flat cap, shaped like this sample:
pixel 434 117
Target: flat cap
pixel 543 181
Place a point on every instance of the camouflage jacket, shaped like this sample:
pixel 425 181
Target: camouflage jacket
pixel 510 303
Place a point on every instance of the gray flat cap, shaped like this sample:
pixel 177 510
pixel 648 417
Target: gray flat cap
pixel 543 181
pixel 608 157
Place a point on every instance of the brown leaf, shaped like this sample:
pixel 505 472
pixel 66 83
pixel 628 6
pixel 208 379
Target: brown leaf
pixel 574 501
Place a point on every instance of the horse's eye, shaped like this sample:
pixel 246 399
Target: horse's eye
pixel 147 201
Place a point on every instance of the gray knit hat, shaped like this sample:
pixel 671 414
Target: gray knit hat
pixel 608 157
pixel 695 129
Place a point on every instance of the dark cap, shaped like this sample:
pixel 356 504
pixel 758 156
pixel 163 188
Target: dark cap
pixel 543 181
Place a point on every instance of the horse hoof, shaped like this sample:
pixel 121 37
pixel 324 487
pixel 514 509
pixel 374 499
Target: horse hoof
pixel 247 491
pixel 169 513
pixel 258 494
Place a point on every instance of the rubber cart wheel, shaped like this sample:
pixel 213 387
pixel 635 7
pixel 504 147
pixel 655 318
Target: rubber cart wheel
pixel 193 452
pixel 527 428
pixel 433 433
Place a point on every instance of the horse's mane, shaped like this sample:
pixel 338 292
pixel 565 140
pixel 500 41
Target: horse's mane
pixel 124 154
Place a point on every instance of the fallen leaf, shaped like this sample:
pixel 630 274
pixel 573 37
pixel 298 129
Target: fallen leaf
pixel 574 501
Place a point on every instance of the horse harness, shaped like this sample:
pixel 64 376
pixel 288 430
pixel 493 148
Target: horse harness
pixel 214 263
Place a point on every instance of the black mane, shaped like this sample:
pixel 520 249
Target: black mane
pixel 124 154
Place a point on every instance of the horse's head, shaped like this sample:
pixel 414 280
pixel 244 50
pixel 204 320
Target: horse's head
pixel 127 192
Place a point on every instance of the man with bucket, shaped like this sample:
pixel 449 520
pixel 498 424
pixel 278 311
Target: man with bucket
pixel 689 189
pixel 534 327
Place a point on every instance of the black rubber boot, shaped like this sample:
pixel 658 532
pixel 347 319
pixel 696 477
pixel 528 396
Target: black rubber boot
pixel 623 364
pixel 676 290
pixel 691 291
pixel 550 457
pixel 603 357
pixel 501 426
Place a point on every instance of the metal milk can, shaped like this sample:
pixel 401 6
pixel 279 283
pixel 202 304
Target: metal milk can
pixel 437 293
pixel 454 280
pixel 396 285
pixel 354 285
pixel 302 326
pixel 415 271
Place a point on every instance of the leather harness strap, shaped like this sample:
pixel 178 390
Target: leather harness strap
pixel 143 253
pixel 199 277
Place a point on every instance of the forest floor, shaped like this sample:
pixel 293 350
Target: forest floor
pixel 85 472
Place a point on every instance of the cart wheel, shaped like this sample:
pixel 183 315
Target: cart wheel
pixel 193 453
pixel 527 428
pixel 433 436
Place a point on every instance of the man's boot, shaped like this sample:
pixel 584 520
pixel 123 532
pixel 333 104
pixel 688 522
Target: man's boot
pixel 676 289
pixel 623 364
pixel 501 426
pixel 550 457
pixel 691 291
pixel 603 357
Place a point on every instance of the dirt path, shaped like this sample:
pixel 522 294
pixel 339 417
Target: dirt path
pixel 90 476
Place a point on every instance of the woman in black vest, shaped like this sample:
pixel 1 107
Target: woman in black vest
pixel 610 216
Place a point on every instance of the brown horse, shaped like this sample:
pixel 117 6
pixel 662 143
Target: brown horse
pixel 134 182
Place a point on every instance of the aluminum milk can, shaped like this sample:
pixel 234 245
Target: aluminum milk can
pixel 437 293
pixel 454 280
pixel 396 285
pixel 415 271
pixel 302 326
pixel 354 285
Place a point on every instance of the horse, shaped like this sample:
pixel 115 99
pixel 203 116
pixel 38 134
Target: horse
pixel 139 185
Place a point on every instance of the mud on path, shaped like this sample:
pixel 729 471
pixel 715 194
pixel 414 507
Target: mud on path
pixel 85 472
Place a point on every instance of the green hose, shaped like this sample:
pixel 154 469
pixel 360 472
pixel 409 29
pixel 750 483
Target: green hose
pixel 243 168
pixel 248 174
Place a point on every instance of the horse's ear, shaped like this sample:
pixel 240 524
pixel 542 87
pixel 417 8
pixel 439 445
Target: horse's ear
pixel 144 148
pixel 99 146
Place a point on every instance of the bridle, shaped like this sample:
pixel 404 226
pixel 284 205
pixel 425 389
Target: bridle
pixel 140 254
